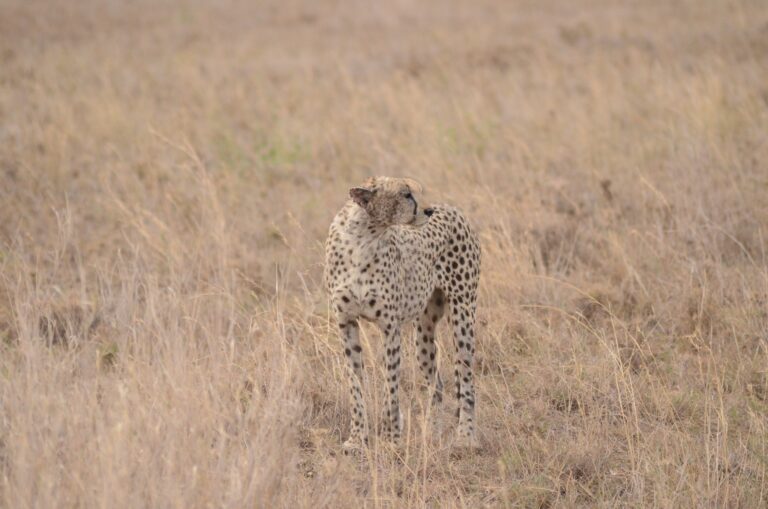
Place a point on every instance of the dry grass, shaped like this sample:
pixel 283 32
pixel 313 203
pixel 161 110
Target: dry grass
pixel 167 174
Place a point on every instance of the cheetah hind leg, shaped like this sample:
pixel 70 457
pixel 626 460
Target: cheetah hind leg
pixel 463 319
pixel 392 417
pixel 427 353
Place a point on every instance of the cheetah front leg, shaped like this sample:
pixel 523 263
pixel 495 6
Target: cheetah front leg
pixel 392 419
pixel 350 334
pixel 463 321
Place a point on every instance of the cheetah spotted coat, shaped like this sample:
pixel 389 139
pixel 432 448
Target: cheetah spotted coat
pixel 391 274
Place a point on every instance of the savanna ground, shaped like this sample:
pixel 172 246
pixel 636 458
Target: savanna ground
pixel 168 171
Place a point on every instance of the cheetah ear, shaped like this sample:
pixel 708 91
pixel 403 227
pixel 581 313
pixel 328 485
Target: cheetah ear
pixel 414 184
pixel 361 195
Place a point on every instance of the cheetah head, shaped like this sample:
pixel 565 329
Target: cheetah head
pixel 390 201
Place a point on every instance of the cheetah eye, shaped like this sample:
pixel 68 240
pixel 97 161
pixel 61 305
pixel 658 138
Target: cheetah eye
pixel 408 196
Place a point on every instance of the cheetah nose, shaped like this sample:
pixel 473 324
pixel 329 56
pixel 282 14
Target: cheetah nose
pixel 428 212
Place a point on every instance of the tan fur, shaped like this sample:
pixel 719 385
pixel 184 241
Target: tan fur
pixel 390 261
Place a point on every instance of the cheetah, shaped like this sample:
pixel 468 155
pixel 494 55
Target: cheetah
pixel 390 262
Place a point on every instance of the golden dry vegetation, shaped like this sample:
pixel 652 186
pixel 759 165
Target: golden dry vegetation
pixel 168 171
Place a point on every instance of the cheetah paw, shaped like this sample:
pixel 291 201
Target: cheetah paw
pixel 353 446
pixel 468 443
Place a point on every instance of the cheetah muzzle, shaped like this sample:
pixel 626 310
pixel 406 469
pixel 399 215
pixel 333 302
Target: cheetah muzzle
pixel 391 262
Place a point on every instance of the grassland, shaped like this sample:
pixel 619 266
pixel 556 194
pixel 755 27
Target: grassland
pixel 168 171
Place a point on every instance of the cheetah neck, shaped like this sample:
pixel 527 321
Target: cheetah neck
pixel 360 228
pixel 362 237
